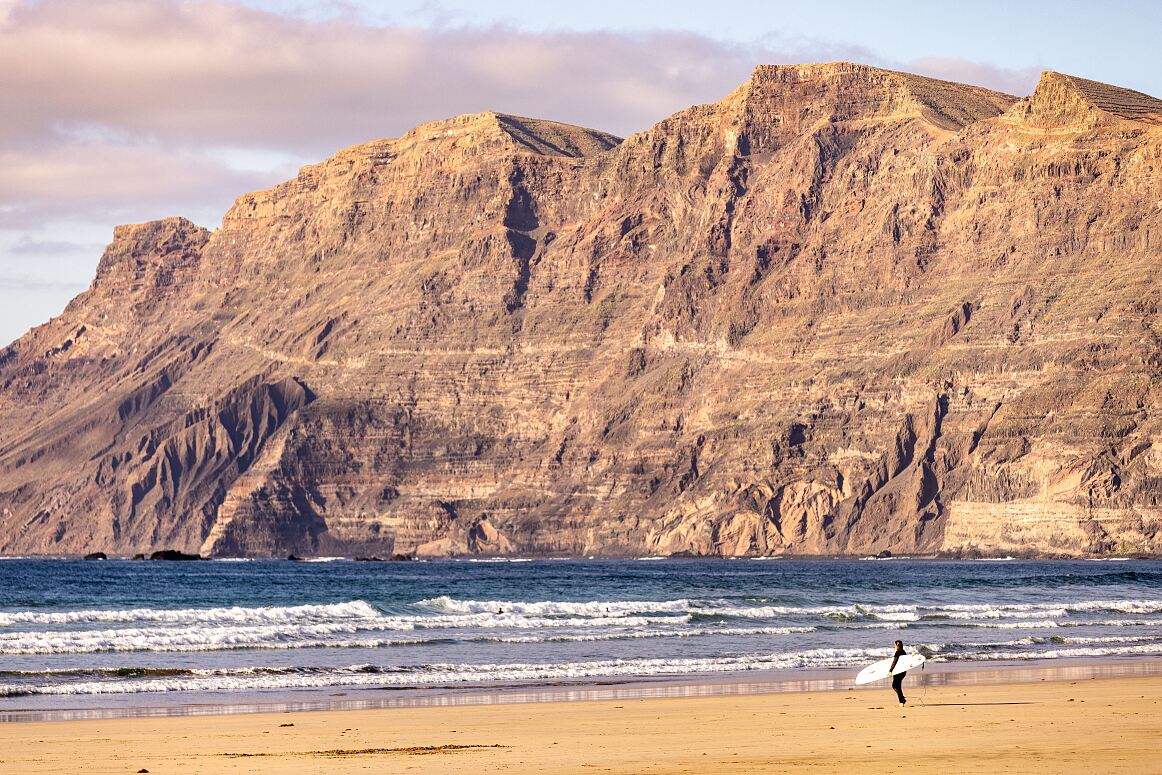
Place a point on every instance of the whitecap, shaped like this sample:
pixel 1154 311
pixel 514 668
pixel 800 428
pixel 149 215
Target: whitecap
pixel 236 614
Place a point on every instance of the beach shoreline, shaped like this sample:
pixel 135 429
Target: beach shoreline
pixel 1089 725
pixel 747 683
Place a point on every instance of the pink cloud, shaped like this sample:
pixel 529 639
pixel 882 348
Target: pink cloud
pixel 205 73
pixel 1018 82
pixel 124 110
pixel 122 97
pixel 112 182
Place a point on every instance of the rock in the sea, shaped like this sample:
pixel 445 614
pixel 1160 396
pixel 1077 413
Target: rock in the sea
pixel 96 556
pixel 842 311
pixel 173 555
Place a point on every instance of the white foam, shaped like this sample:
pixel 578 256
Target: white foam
pixel 1039 624
pixel 1039 640
pixel 1000 613
pixel 295 635
pixel 189 639
pixel 688 633
pixel 1151 649
pixel 499 559
pixel 355 609
pixel 547 608
pixel 1017 610
pixel 884 626
pixel 519 621
pixel 358 675
pixel 1055 624
pixel 842 613
pixel 850 613
pixel 303 637
pixel 1087 640
pixel 1119 606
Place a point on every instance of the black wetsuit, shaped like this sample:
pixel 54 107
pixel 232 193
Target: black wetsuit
pixel 898 678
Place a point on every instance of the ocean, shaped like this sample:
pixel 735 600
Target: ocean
pixel 118 634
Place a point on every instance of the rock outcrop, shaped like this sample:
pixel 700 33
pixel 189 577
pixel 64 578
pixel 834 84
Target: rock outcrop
pixel 843 311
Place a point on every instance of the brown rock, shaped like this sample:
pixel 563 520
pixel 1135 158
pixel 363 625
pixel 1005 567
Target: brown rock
pixel 844 310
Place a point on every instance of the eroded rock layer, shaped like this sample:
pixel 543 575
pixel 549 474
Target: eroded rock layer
pixel 844 310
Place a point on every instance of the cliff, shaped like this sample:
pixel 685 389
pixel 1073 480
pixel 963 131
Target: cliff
pixel 844 310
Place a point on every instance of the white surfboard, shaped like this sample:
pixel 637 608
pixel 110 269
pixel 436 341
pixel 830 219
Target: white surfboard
pixel 879 670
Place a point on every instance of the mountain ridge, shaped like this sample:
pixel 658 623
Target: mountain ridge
pixel 844 310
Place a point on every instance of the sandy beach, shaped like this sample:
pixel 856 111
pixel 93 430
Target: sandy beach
pixel 1085 726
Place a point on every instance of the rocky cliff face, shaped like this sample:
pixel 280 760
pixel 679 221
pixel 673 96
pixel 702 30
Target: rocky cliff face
pixel 844 310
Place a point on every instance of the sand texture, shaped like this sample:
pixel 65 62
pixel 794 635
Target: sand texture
pixel 1091 726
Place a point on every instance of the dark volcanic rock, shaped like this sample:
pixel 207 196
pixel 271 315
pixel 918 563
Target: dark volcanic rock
pixel 173 555
pixel 843 310
pixel 96 556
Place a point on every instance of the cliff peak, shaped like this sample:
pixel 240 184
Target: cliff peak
pixel 1065 100
pixel 854 90
pixel 445 144
pixel 154 239
pixel 528 135
pixel 146 263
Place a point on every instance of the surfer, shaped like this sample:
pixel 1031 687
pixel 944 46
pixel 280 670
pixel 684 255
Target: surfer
pixel 898 678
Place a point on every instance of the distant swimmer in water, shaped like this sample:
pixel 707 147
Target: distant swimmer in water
pixel 898 679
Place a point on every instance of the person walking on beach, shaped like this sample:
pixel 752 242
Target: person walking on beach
pixel 898 680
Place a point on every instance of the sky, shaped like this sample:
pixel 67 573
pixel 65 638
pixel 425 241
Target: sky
pixel 122 111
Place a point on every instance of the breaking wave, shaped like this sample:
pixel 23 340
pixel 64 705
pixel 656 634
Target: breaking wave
pixel 427 675
pixel 356 609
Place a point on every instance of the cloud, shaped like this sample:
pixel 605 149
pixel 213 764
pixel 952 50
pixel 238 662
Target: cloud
pixel 34 284
pixel 27 246
pixel 114 104
pixel 132 109
pixel 127 110
pixel 114 183
pixel 1018 82
pixel 218 74
pixel 213 73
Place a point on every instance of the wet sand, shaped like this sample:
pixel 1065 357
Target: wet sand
pixel 1096 725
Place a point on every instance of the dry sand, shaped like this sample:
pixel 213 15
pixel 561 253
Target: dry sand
pixel 1088 726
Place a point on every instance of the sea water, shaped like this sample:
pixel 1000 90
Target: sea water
pixel 77 634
